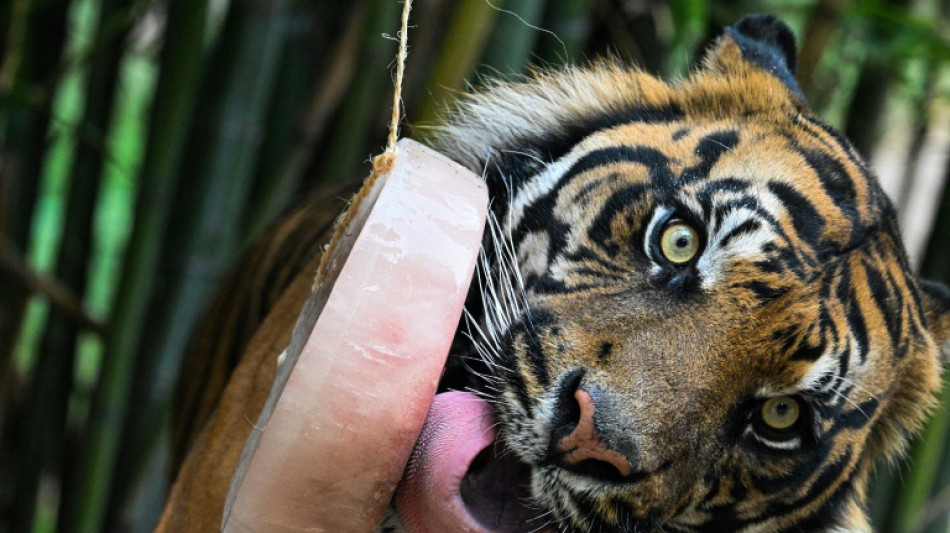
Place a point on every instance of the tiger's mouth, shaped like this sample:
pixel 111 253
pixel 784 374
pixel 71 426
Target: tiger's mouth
pixel 460 478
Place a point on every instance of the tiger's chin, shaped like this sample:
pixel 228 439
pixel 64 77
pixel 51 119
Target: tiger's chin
pixel 462 478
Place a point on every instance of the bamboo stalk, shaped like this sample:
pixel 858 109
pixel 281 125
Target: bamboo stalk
pixel 924 465
pixel 512 38
pixel 568 21
pixel 205 234
pixel 927 173
pixel 936 266
pixel 16 16
pixel 912 510
pixel 868 111
pixel 463 45
pixel 690 21
pixel 6 16
pixel 38 43
pixel 285 154
pixel 45 433
pixel 86 489
pixel 23 130
pixel 366 103
pixel 823 20
pixel 58 294
pixel 297 67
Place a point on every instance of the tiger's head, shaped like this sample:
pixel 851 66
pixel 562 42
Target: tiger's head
pixel 698 313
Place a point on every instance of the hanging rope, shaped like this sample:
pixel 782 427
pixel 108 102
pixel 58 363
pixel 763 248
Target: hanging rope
pixel 383 162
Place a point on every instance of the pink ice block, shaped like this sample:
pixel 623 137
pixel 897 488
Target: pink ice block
pixel 369 369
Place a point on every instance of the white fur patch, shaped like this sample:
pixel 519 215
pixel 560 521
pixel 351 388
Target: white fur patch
pixel 826 365
pixel 539 185
pixel 747 245
pixel 533 254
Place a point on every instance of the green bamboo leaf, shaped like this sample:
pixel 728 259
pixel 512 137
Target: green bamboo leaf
pixel 88 486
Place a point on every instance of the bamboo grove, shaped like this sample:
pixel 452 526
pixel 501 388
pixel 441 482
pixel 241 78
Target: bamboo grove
pixel 143 143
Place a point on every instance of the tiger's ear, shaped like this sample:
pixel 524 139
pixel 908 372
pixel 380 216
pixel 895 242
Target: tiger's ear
pixel 761 42
pixel 936 301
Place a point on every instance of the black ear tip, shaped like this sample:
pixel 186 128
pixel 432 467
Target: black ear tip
pixel 770 31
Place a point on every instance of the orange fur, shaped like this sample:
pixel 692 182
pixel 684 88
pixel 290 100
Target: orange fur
pixel 677 366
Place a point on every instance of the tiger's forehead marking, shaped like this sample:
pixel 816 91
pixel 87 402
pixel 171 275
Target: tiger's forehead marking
pixel 539 185
pixel 791 199
pixel 792 196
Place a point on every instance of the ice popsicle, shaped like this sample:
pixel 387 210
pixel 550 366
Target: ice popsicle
pixel 366 355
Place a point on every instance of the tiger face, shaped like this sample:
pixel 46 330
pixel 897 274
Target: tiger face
pixel 704 317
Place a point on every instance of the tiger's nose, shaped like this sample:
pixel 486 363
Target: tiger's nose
pixel 576 445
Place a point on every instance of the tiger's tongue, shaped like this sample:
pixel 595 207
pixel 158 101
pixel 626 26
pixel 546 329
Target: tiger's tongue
pixel 453 481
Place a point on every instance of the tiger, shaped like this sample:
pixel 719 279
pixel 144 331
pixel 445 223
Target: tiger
pixel 705 318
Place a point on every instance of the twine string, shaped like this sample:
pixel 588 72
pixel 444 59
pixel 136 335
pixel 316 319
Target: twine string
pixel 383 162
pixel 400 70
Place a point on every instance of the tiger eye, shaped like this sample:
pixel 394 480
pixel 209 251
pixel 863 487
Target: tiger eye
pixel 679 243
pixel 780 412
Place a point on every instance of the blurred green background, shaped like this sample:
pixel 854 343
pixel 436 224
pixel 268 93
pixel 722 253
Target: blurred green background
pixel 144 143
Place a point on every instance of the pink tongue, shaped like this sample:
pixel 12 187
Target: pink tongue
pixel 459 425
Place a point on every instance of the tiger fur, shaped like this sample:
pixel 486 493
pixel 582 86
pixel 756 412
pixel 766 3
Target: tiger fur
pixel 799 290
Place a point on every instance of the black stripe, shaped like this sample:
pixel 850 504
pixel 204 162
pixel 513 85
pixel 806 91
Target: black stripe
pixel 747 227
pixel 840 187
pixel 712 187
pixel 856 418
pixel 709 150
pixel 807 352
pixel 600 232
pixel 534 322
pixel 508 361
pixel 764 291
pixel 825 513
pixel 644 155
pixel 585 254
pixel 518 167
pixel 856 323
pixel 606 349
pixel 876 195
pixel 770 482
pixel 808 223
pixel 539 216
pixel 547 284
pixel 604 279
pixel 900 306
pixel 883 295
